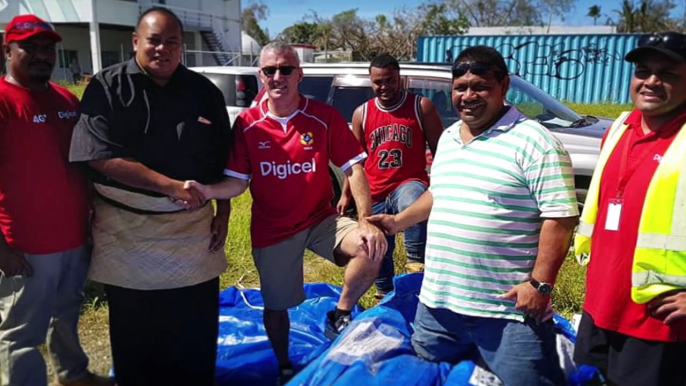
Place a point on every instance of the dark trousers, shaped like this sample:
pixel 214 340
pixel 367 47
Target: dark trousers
pixel 164 337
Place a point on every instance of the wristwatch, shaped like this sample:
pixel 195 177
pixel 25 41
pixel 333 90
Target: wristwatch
pixel 542 287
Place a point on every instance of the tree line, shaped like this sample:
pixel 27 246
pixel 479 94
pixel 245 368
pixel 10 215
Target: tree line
pixel 397 32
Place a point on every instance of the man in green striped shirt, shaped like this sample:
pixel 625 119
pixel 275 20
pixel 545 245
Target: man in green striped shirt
pixel 501 210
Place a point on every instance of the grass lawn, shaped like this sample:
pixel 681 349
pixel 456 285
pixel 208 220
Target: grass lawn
pixel 567 297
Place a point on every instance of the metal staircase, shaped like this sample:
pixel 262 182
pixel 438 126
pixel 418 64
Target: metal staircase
pixel 214 43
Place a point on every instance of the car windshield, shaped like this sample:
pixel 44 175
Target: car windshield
pixel 537 105
pixel 347 99
pixel 531 101
pixel 316 87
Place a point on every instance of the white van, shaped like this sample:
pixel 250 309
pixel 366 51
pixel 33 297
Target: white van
pixel 240 85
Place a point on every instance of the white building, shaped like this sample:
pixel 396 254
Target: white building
pixel 97 33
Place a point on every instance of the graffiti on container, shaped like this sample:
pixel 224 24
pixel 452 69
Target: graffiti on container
pixel 553 60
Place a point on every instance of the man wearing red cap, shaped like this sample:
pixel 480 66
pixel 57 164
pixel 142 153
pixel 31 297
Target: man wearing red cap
pixel 43 216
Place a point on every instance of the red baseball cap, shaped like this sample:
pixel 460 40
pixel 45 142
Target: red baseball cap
pixel 22 27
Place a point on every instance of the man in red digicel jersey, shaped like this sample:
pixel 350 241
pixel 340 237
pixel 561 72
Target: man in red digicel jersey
pixel 395 128
pixel 43 216
pixel 282 149
pixel 633 327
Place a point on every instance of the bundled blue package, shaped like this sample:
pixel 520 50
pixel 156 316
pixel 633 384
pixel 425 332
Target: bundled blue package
pixel 244 355
pixel 375 349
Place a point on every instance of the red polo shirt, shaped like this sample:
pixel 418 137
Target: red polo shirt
pixel 608 282
pixel 287 163
pixel 43 205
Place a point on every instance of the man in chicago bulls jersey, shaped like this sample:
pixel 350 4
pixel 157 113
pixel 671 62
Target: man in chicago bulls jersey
pixel 282 148
pixel 394 128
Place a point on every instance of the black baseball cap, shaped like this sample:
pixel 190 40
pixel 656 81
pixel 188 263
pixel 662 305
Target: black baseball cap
pixel 670 44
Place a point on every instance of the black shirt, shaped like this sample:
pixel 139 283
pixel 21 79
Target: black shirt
pixel 181 130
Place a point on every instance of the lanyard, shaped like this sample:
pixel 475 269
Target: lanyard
pixel 626 173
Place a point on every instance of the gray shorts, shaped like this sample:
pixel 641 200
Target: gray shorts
pixel 280 266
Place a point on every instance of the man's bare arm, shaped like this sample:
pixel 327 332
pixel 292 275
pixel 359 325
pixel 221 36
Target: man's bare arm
pixel 431 123
pixel 135 174
pixel 228 188
pixel 417 212
pixel 553 247
pixel 359 187
pixel 358 131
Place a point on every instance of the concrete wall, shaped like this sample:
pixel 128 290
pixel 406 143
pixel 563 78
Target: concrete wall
pixel 112 41
pixel 224 14
pixel 221 16
pixel 50 10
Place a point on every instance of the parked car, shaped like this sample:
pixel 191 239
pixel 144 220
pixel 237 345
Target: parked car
pixel 240 86
pixel 347 85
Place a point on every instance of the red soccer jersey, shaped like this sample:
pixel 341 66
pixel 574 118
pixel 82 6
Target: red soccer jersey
pixel 608 282
pixel 287 160
pixel 43 199
pixel 395 143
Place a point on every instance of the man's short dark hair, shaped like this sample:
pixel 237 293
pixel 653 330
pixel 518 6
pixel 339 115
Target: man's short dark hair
pixel 383 61
pixel 484 54
pixel 165 11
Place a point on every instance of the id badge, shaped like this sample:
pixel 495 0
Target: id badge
pixel 614 212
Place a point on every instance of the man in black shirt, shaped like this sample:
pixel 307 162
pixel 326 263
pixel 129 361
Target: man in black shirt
pixel 146 126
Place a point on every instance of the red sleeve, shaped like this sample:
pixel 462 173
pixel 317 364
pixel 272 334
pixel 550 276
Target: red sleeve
pixel 344 149
pixel 3 119
pixel 239 159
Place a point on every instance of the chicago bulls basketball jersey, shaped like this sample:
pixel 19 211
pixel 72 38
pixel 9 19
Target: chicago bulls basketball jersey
pixel 395 143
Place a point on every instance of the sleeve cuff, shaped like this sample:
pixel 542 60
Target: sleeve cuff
pixel 571 212
pixel 357 159
pixel 240 176
pixel 101 155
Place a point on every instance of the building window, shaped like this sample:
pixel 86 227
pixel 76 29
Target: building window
pixel 66 56
pixel 110 57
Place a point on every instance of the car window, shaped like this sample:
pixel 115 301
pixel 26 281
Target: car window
pixel 347 99
pixel 238 90
pixel 439 91
pixel 246 90
pixel 316 87
pixel 539 106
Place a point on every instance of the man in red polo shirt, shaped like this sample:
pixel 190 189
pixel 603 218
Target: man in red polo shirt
pixel 43 216
pixel 282 149
pixel 636 342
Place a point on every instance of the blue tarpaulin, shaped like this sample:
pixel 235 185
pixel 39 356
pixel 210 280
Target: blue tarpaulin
pixel 373 350
pixel 244 356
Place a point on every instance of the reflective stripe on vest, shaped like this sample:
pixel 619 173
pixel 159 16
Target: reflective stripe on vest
pixel 660 257
pixel 582 237
pixel 659 261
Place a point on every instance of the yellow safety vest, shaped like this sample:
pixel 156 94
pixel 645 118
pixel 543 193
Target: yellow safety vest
pixel 659 263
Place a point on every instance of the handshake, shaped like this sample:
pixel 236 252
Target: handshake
pixel 191 194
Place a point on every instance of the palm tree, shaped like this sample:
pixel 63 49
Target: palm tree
pixel 594 12
pixel 628 16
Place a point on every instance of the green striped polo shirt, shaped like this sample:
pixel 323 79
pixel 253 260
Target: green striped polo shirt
pixel 490 197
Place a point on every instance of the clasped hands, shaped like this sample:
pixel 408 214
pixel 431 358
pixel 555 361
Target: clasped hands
pixel 190 194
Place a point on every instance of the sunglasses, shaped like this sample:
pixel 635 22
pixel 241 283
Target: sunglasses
pixel 669 40
pixel 476 68
pixel 284 70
